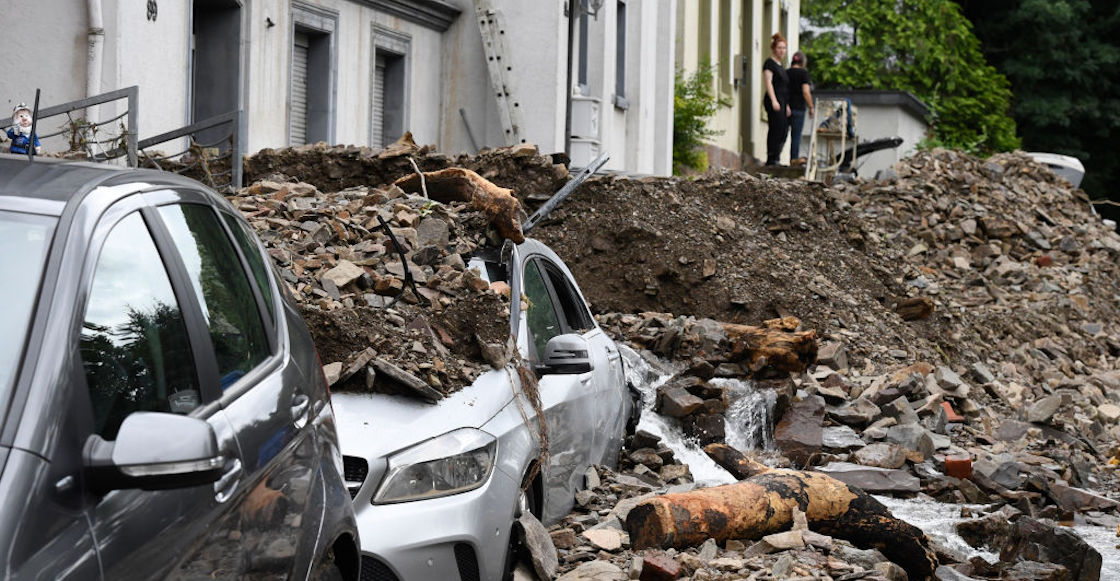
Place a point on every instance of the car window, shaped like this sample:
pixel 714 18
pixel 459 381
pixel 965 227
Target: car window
pixel 222 288
pixel 572 307
pixel 24 239
pixel 542 319
pixel 134 344
pixel 245 239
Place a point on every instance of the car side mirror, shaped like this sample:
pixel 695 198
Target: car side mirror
pixel 566 354
pixel 154 451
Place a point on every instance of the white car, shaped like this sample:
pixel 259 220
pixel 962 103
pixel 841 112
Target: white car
pixel 438 488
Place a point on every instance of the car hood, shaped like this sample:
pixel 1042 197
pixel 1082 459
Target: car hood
pixel 375 425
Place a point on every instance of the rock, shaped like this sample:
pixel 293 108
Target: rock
pixel 859 412
pixel 1034 540
pixel 871 479
pixel 1079 500
pixel 991 530
pixel 659 567
pixel 785 541
pixel 947 573
pixel 782 567
pixel 867 559
pixel 1035 571
pixel 981 373
pixel 900 410
pixel 840 439
pixel 677 402
pixel 344 273
pixel 607 539
pixel 597 571
pixel 539 542
pixel 1109 412
pixel 915 309
pixel 913 437
pixel 891 572
pixel 833 355
pixel 563 538
pixel 706 428
pixel 799 434
pixel 1044 409
pixel 332 371
pixel 881 455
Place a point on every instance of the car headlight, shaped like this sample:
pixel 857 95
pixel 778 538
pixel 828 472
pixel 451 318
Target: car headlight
pixel 455 462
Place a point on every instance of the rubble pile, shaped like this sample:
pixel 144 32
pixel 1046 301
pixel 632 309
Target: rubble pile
pixel 338 167
pixel 373 329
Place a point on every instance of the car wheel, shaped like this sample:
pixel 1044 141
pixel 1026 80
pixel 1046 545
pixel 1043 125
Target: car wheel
pixel 327 569
pixel 517 551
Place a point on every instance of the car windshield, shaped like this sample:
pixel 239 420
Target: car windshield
pixel 24 241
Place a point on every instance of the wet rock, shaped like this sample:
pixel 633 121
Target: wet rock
pixel 1034 540
pixel 872 479
pixel 799 434
pixel 840 439
pixel 677 402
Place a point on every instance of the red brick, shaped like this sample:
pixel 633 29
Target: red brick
pixel 660 568
pixel 951 414
pixel 1044 260
pixel 958 467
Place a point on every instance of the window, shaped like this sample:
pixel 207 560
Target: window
pixel 542 319
pixel 134 344
pixel 245 239
pixel 572 307
pixel 620 57
pixel 389 101
pixel 221 287
pixel 705 36
pixel 312 74
pixel 725 27
pixel 24 240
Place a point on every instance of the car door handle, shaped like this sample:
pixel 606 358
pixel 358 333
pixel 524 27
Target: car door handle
pixel 227 483
pixel 300 405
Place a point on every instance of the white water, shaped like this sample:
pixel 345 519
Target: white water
pixel 749 427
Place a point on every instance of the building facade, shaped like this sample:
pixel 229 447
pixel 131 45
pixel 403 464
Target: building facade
pixel 586 76
pixel 733 37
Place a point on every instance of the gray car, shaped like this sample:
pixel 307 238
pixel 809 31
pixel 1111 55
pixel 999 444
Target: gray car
pixel 438 488
pixel 163 413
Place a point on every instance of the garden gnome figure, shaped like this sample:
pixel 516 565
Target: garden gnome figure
pixel 20 131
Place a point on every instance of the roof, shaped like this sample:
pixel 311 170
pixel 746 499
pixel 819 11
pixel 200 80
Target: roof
pixel 58 180
pixel 903 99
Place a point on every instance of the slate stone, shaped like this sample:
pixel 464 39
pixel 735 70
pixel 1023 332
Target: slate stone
pixel 871 479
pixel 595 571
pixel 840 439
pixel 1034 540
pixel 799 434
pixel 859 412
pixel 913 437
pixel 881 455
pixel 1041 411
pixel 1079 500
pixel 539 542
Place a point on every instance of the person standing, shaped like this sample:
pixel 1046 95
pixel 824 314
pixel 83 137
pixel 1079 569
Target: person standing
pixel 776 100
pixel 800 102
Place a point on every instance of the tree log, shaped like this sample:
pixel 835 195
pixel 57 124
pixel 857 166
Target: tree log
pixel 763 504
pixel 734 461
pixel 774 348
pixel 456 184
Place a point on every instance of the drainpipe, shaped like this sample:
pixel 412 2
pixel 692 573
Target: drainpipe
pixel 96 39
pixel 568 87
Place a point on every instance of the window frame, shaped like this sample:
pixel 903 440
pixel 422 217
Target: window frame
pixel 548 269
pixel 165 196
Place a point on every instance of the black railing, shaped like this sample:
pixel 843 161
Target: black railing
pixel 216 163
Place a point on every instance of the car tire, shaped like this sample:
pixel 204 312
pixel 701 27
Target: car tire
pixel 327 569
pixel 526 501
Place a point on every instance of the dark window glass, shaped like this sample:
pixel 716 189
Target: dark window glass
pixel 24 240
pixel 543 323
pixel 222 288
pixel 245 239
pixel 572 307
pixel 134 343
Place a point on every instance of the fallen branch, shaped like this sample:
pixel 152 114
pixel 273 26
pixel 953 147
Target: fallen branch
pixel 764 504
pixel 463 185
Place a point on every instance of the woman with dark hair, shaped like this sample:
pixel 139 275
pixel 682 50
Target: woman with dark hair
pixel 800 101
pixel 776 100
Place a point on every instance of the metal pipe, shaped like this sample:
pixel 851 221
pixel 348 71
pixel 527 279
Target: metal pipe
pixel 96 39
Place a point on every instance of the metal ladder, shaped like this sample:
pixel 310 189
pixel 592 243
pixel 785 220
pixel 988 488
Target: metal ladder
pixel 501 70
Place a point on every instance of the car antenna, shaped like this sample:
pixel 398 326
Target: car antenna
pixel 34 122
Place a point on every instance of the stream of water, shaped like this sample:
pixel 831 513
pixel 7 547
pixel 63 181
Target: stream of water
pixel 749 426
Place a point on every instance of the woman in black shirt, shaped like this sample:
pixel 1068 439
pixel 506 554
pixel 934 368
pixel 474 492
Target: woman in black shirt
pixel 776 102
pixel 800 101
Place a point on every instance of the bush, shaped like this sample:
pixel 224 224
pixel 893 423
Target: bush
pixel 694 103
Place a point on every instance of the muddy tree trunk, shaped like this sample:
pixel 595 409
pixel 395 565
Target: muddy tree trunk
pixel 463 185
pixel 774 348
pixel 763 504
pixel 734 461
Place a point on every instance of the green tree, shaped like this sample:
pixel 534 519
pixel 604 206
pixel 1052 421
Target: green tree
pixel 923 46
pixel 1062 58
pixel 694 102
